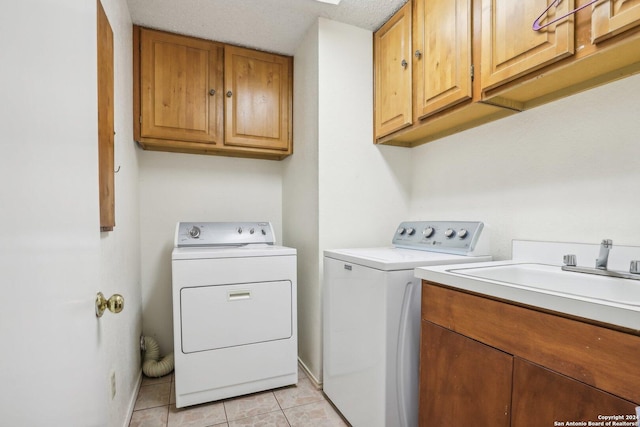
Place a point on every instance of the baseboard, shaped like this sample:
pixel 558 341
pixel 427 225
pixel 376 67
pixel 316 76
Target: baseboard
pixel 132 400
pixel 316 383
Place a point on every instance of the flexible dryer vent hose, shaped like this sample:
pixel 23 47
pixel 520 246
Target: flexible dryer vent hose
pixel 153 366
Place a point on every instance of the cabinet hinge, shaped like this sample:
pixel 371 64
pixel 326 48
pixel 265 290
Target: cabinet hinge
pixel 472 72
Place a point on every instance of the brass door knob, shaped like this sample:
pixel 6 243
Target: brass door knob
pixel 115 304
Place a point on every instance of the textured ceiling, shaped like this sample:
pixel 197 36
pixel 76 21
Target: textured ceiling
pixel 271 25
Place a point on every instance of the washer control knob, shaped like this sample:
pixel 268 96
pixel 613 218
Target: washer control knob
pixel 194 232
pixel 264 232
pixel 449 233
pixel 428 232
pixel 401 231
pixel 252 231
pixel 462 233
pixel 239 230
pixel 411 231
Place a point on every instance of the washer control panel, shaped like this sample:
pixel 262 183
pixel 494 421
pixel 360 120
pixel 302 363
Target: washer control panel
pixel 457 237
pixel 193 234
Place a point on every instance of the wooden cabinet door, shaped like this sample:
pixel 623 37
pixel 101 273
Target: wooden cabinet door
pixel 105 121
pixel 442 54
pixel 612 17
pixel 258 99
pixel 542 397
pixel 462 382
pixel 511 48
pixel 181 87
pixel 392 73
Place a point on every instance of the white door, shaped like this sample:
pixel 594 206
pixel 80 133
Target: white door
pixel 50 360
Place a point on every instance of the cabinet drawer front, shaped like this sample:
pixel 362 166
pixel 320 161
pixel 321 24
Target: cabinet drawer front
pixel 511 48
pixel 613 17
pixel 595 355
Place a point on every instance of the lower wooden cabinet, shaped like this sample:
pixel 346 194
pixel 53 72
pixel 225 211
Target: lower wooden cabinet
pixel 542 397
pixel 489 363
pixel 454 390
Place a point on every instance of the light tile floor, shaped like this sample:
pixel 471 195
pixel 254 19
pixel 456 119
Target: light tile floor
pixel 301 405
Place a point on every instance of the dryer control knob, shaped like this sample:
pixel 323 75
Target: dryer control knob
pixel 449 233
pixel 239 230
pixel 401 231
pixel 411 231
pixel 194 232
pixel 428 232
pixel 462 233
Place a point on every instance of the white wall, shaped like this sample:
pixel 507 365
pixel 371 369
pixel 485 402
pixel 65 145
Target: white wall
pixel 339 189
pixel 566 171
pixel 364 189
pixel 187 187
pixel 57 356
pixel 300 196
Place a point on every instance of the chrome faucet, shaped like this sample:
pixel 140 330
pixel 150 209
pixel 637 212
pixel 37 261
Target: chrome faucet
pixel 603 258
pixel 570 264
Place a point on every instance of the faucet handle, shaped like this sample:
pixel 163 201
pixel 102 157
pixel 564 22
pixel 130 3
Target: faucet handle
pixel 607 243
pixel 569 260
pixel 634 268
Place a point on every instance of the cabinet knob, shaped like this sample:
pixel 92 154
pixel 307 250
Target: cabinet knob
pixel 212 92
pixel 404 64
pixel 229 93
pixel 418 54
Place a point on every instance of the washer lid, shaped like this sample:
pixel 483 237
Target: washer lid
pixel 392 258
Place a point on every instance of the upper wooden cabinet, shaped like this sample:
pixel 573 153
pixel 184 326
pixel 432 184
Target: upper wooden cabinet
pixel 442 55
pixel 180 87
pixel 511 48
pixel 392 73
pixel 559 70
pixel 198 96
pixel 438 43
pixel 612 17
pixel 258 99
pixel 474 61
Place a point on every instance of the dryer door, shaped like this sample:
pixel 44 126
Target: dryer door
pixel 214 317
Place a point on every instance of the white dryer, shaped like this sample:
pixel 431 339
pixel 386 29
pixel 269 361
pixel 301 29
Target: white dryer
pixel 371 318
pixel 234 311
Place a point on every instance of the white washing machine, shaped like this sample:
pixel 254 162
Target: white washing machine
pixel 371 318
pixel 234 311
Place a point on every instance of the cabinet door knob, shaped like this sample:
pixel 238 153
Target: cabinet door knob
pixel 229 93
pixel 418 54
pixel 212 92
pixel 404 64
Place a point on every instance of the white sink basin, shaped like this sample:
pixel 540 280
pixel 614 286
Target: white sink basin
pixel 552 279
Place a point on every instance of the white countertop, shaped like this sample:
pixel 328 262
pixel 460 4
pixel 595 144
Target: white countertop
pixel 614 313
